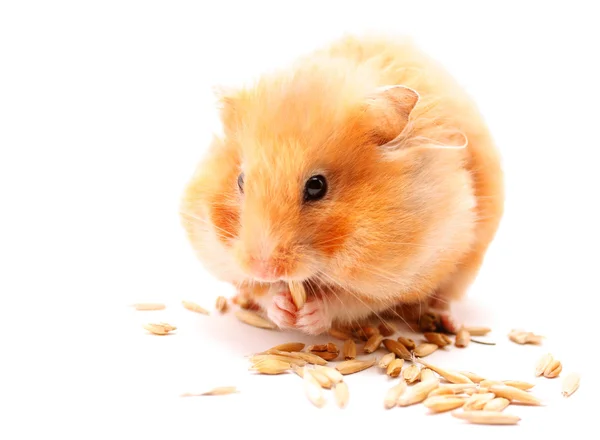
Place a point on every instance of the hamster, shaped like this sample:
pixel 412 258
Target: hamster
pixel 362 170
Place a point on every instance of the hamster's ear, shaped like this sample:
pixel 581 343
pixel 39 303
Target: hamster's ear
pixel 228 105
pixel 388 109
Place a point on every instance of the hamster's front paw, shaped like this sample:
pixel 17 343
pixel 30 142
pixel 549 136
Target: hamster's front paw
pixel 313 318
pixel 282 310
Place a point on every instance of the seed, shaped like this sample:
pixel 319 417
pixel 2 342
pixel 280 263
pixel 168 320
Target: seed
pixel 271 366
pixel 160 329
pixel 288 346
pixel 332 374
pixel 543 363
pixel 570 384
pixel 370 331
pixel 514 394
pixel 425 349
pixel 308 357
pixel 354 366
pixel 462 339
pixel 385 360
pixel 483 390
pixel 373 343
pixel 497 404
pixel 251 318
pixel 195 307
pixel 219 391
pixel 396 347
pixel 553 369
pixel 339 334
pixel 437 338
pixel 221 304
pixel 298 370
pixel 488 383
pixel 329 351
pixel 443 403
pixel 523 337
pixel 427 374
pixel 278 357
pixel 458 388
pixel 441 391
pixel 393 394
pixel 408 343
pixel 478 401
pixel 411 374
pixel 394 368
pixel 487 417
pixel 417 393
pixel 450 376
pixel 313 389
pixel 298 293
pixel 321 378
pixel 518 384
pixel 474 377
pixel 341 394
pixel 477 331
pixel 149 306
pixel 349 349
pixel 471 391
pixel 386 329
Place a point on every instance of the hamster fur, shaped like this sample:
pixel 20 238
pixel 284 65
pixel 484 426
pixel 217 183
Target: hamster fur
pixel 408 213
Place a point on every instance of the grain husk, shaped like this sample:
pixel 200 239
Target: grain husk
pixel 496 404
pixel 450 376
pixel 349 349
pixel 438 339
pixel 518 384
pixel 373 343
pixel 407 342
pixel 393 394
pixel 255 320
pixel 193 307
pixel 313 390
pixel 271 366
pixel 334 375
pixel 149 306
pixel 475 378
pixel 487 417
pixel 543 363
pixel 394 368
pixel 160 328
pixel 386 329
pixel 478 401
pixel 477 331
pixel 354 366
pixel 308 357
pixel 425 349
pixel 288 347
pixel 419 392
pixel 386 360
pixel 278 357
pixel 427 374
pixel 514 394
pixel 320 377
pixel 219 391
pixel 396 347
pixel 441 391
pixel 340 334
pixel 221 304
pixel 570 384
pixel 462 339
pixel 298 293
pixel 341 394
pixel 443 403
pixel 553 369
pixel 412 373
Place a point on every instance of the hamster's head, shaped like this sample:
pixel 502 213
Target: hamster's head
pixel 301 185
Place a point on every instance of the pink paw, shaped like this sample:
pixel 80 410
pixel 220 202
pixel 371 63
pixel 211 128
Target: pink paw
pixel 310 319
pixel 313 318
pixel 282 310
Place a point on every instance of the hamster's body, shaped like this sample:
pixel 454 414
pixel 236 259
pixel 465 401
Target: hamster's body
pixel 406 215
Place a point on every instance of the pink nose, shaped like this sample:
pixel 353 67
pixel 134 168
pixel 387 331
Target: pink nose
pixel 265 270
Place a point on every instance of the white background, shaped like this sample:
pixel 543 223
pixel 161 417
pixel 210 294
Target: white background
pixel 105 108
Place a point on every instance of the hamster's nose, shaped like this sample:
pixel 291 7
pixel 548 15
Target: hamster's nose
pixel 266 270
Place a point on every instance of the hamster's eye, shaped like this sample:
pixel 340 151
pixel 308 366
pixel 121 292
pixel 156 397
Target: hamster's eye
pixel 315 188
pixel 241 182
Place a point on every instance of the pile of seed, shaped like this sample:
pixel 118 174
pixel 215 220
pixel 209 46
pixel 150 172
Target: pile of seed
pixel 467 395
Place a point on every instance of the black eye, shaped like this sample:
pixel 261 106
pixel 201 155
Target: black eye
pixel 315 188
pixel 241 182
